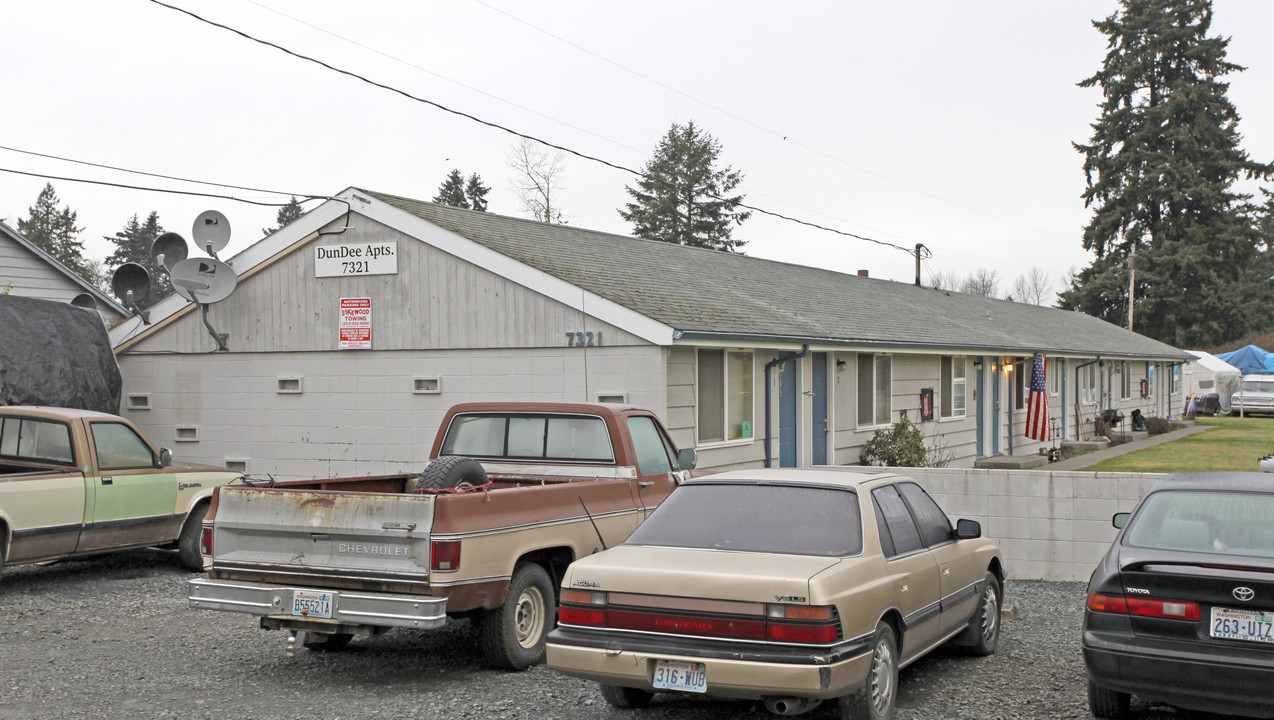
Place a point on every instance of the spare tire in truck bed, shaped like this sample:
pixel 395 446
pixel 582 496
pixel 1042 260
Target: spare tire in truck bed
pixel 452 471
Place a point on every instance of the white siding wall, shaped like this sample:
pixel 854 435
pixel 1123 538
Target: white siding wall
pixel 357 413
pixel 25 274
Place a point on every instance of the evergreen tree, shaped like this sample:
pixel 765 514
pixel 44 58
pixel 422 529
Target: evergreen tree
pixel 476 193
pixel 455 191
pixel 52 229
pixel 451 191
pixel 681 196
pixel 1161 164
pixel 287 213
pixel 132 244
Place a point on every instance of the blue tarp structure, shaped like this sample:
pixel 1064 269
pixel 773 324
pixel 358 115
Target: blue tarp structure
pixel 1250 359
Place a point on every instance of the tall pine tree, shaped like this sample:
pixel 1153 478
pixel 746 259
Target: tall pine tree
pixel 681 196
pixel 457 192
pixel 53 230
pixel 1161 166
pixel 132 244
pixel 287 213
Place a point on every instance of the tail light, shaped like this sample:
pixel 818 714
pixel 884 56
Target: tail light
pixel 444 555
pixel 816 625
pixel 1144 606
pixel 205 541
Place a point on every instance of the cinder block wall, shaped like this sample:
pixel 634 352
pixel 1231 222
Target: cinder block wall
pixel 1050 525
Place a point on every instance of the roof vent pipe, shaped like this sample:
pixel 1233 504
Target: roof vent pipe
pixel 805 350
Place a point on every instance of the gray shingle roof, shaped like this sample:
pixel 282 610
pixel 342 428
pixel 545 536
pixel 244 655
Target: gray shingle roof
pixel 705 292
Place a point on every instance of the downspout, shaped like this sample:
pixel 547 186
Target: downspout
pixel 769 453
pixel 1079 430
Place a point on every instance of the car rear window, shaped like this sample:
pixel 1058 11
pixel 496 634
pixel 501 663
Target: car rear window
pixel 785 519
pixel 1230 523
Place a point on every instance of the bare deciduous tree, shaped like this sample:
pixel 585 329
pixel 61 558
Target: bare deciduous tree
pixel 983 281
pixel 1034 287
pixel 945 281
pixel 537 178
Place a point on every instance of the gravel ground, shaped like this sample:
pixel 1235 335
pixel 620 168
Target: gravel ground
pixel 111 637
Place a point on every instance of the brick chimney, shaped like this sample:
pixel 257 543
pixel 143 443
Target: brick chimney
pixel 862 273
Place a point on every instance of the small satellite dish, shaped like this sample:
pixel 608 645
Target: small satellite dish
pixel 168 250
pixel 211 231
pixel 130 283
pixel 203 280
pixel 84 300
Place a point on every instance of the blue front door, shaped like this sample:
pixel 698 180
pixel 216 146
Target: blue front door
pixel 787 414
pixel 995 410
pixel 820 428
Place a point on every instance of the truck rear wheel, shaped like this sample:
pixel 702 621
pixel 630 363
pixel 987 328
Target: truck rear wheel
pixel 452 471
pixel 512 635
pixel 188 541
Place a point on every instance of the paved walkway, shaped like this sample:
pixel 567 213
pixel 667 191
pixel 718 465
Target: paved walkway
pixel 1089 459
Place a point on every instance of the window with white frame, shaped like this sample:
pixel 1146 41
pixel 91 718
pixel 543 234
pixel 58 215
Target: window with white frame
pixel 951 370
pixel 1088 384
pixel 725 395
pixel 1174 379
pixel 875 389
pixel 1020 384
pixel 1150 379
pixel 1125 379
pixel 1053 370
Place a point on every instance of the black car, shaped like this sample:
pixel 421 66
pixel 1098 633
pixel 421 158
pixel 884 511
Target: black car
pixel 1181 608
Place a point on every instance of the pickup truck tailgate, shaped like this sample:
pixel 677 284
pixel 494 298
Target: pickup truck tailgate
pixel 367 536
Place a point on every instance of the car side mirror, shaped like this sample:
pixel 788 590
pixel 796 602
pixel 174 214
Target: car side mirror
pixel 165 457
pixel 968 529
pixel 1119 520
pixel 687 458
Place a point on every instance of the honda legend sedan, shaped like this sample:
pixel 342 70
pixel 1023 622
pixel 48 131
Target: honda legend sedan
pixel 789 586
pixel 1181 608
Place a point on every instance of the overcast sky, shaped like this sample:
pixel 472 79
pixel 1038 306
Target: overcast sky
pixel 943 123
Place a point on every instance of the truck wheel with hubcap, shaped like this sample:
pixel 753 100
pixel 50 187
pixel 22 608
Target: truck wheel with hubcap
pixel 452 471
pixel 512 635
pixel 188 541
pixel 877 699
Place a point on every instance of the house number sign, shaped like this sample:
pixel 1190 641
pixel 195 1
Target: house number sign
pixel 584 339
pixel 352 260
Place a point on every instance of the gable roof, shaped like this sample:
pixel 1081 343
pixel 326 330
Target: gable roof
pixel 88 287
pixel 708 294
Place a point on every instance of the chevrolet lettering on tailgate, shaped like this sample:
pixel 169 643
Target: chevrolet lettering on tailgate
pixel 361 549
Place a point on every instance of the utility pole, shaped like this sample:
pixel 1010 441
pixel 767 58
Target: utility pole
pixel 1132 281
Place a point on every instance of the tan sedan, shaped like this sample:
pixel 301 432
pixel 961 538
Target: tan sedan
pixel 789 586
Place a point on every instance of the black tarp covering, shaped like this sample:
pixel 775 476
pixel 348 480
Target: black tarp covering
pixel 53 353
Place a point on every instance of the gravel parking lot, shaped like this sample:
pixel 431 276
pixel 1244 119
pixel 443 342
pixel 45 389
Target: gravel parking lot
pixel 111 637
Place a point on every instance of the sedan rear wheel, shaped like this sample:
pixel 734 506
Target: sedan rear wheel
pixel 1107 703
pixel 877 699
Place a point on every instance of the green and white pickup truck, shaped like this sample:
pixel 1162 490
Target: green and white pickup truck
pixel 77 482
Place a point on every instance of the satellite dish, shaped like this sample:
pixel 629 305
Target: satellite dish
pixel 211 231
pixel 84 300
pixel 203 280
pixel 130 283
pixel 168 250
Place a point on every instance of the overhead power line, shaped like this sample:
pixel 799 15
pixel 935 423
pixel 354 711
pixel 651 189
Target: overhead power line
pixel 155 189
pixel 502 128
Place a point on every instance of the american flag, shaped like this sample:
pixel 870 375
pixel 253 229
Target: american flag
pixel 1037 425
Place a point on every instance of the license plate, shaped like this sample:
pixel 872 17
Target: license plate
pixel 1231 624
pixel 683 676
pixel 312 604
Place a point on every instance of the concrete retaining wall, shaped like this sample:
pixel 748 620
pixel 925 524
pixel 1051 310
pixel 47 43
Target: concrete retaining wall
pixel 1050 525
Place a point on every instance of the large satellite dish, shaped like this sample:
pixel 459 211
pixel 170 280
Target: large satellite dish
pixel 203 280
pixel 84 300
pixel 130 283
pixel 211 231
pixel 168 250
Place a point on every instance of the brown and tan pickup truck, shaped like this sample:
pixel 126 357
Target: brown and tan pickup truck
pixel 513 493
pixel 77 482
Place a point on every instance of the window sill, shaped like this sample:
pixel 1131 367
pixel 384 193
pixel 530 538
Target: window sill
pixel 953 418
pixel 711 444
